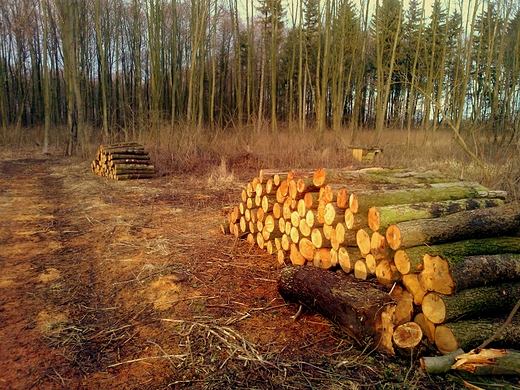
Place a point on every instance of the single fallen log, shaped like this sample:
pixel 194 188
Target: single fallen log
pixel 490 222
pixel 361 309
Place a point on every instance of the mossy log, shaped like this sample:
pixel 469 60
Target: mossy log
pixel 473 302
pixel 384 216
pixel 470 334
pixel 360 308
pixel 457 253
pixel 489 222
pixel 431 193
pixel 378 176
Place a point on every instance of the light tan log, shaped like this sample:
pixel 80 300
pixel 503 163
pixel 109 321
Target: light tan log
pixel 304 228
pixel 322 258
pixel 404 308
pixel 407 336
pixel 354 221
pixel 318 238
pixel 344 236
pixel 433 308
pixel 436 275
pixel 411 283
pixel 457 253
pixel 387 273
pixel 379 247
pixel 427 326
pixel 363 242
pixel 306 248
pixel 295 256
pixel 472 333
pixel 333 214
pixel 445 340
pixel 361 270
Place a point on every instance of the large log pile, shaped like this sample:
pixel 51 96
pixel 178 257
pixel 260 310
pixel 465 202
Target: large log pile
pixel 123 161
pixel 447 252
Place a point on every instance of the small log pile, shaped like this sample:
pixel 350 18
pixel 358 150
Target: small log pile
pixel 447 252
pixel 123 161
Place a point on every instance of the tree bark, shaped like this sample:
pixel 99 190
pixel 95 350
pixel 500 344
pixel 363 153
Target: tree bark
pixel 382 217
pixel 457 253
pixel 489 222
pixel 470 334
pixel 359 308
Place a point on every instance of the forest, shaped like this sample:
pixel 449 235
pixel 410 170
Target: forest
pixel 123 67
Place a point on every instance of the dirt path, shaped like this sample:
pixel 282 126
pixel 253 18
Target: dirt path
pixel 131 285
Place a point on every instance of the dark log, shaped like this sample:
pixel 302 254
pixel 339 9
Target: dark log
pixel 360 308
pixel 485 270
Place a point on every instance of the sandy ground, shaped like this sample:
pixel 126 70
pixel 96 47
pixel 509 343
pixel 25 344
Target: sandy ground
pixel 131 285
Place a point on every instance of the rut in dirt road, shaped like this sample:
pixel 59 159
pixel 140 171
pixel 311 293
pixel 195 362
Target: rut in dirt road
pixel 60 317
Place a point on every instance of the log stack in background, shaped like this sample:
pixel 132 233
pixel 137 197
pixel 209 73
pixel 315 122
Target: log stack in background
pixel 123 161
pixel 447 251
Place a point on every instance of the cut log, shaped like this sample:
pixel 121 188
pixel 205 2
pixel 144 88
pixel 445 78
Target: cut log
pixel 404 307
pixel 407 336
pixel 361 270
pixel 295 255
pixel 436 275
pixel 322 258
pixel 386 272
pixel 455 253
pixel 434 308
pixel 472 333
pixel 384 216
pixel 358 307
pixel 426 325
pixel 445 340
pixel 363 242
pixel 433 193
pixel 347 257
pixel 479 301
pixel 355 221
pixel 413 285
pixel 486 269
pixel 378 246
pixel 491 222
pixel 306 248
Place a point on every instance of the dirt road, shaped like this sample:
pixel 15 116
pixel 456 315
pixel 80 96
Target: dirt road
pixel 131 285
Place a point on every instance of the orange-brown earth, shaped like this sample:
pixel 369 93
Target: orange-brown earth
pixel 131 285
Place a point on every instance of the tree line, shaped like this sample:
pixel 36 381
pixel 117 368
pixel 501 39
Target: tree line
pixel 131 65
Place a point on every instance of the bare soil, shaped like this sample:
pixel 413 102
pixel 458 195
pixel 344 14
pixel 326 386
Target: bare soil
pixel 131 285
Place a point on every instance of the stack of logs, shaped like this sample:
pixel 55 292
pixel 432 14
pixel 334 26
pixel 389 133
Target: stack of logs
pixel 426 260
pixel 123 161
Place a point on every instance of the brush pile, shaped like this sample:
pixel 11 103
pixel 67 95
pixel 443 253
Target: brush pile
pixel 123 161
pixel 436 259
